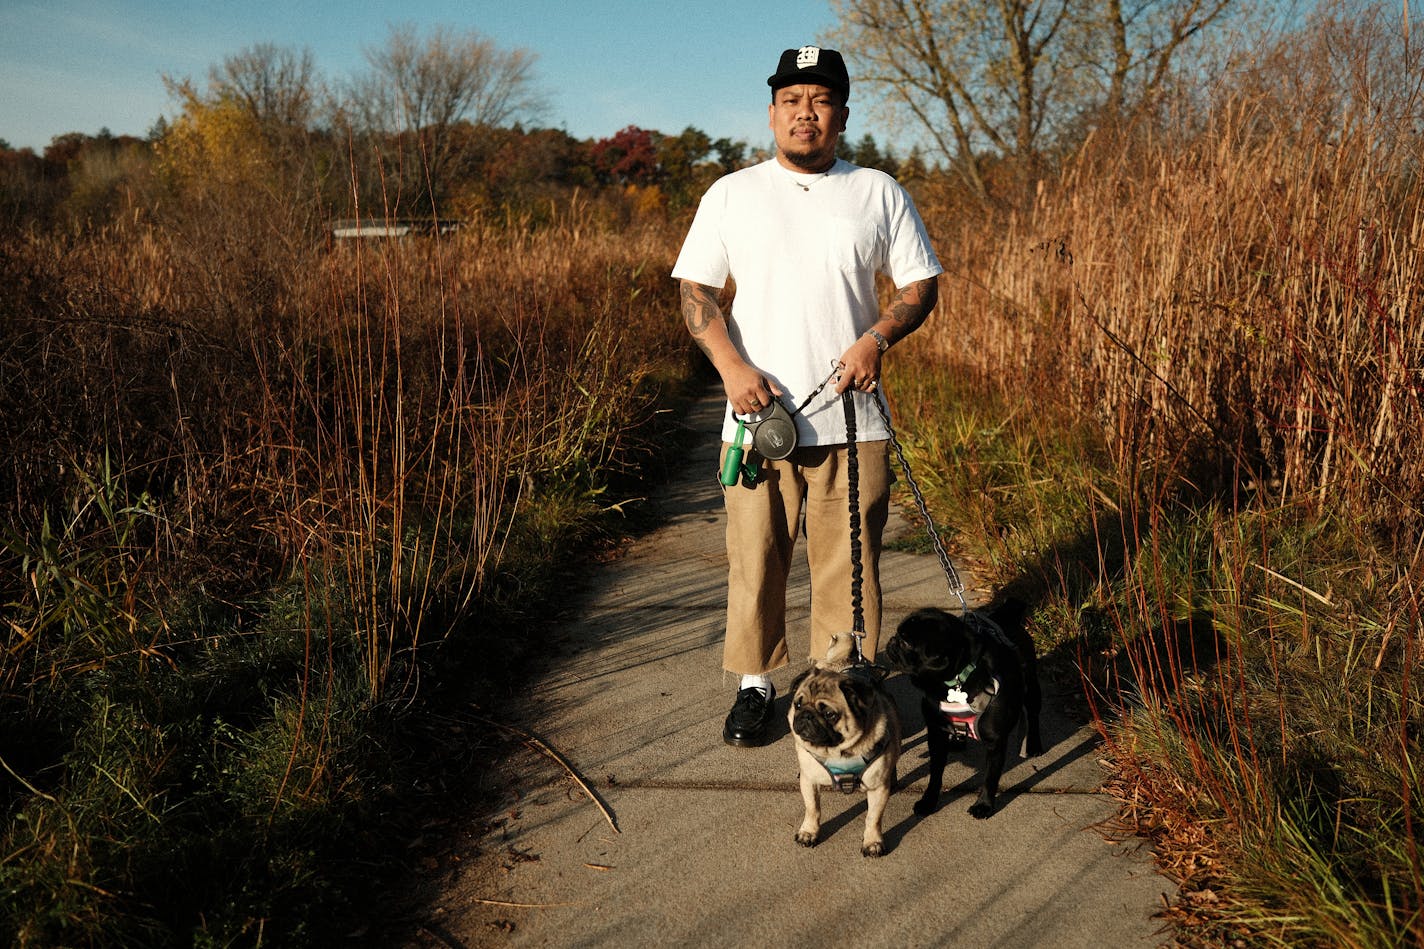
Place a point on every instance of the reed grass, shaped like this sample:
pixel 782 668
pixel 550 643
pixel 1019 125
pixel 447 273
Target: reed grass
pixel 260 487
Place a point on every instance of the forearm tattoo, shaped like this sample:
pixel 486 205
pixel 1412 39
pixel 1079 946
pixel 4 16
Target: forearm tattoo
pixel 914 306
pixel 700 310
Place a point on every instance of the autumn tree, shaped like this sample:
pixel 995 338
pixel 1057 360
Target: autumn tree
pixel 419 91
pixel 626 157
pixel 251 127
pixel 690 161
pixel 215 142
pixel 520 169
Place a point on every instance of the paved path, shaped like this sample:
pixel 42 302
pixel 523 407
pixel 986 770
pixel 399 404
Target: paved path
pixel 702 853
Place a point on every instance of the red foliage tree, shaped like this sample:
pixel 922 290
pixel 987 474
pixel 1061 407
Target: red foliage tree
pixel 628 157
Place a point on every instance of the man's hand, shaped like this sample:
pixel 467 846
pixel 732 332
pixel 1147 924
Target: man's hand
pixel 748 389
pixel 860 366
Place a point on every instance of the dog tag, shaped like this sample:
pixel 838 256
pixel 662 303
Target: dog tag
pixel 956 697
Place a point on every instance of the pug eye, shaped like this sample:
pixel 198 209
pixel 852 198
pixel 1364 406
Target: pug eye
pixel 829 714
pixel 797 704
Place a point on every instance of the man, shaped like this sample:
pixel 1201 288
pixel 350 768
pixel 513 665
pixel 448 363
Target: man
pixel 803 236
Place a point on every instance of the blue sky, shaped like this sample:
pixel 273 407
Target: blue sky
pixel 84 65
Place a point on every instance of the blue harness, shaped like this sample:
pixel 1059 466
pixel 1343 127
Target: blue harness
pixel 845 772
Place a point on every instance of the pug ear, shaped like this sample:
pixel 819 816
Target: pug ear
pixel 796 682
pixel 858 695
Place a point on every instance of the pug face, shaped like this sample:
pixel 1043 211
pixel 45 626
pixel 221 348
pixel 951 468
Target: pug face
pixel 929 641
pixel 829 708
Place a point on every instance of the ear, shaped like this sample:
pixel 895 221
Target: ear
pixel 845 116
pixel 796 682
pixel 857 694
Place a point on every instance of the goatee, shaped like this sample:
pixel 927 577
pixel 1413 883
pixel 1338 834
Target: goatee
pixel 811 164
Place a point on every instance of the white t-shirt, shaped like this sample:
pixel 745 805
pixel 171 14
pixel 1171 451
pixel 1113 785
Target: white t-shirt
pixel 804 260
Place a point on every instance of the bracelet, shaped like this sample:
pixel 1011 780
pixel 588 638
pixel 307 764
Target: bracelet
pixel 881 343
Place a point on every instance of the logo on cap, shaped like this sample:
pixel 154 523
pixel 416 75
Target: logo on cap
pixel 807 56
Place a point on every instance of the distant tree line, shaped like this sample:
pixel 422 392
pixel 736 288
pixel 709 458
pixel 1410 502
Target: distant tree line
pixel 85 179
pixel 446 123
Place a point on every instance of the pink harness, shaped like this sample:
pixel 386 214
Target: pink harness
pixel 962 716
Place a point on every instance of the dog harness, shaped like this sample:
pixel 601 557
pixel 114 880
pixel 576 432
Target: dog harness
pixel 845 772
pixel 960 715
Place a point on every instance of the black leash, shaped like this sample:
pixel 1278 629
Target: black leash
pixel 857 570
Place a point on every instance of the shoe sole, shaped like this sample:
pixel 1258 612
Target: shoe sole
pixel 746 742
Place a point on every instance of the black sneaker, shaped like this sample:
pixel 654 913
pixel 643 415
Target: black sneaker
pixel 750 718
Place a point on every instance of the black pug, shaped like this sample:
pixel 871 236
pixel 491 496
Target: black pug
pixel 978 678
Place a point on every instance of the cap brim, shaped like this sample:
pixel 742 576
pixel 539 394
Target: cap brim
pixel 807 76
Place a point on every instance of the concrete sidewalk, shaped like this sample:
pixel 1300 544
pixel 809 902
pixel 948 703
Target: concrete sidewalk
pixel 702 853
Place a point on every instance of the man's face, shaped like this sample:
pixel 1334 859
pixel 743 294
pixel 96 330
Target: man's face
pixel 807 121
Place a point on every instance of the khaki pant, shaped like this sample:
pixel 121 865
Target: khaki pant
pixel 762 526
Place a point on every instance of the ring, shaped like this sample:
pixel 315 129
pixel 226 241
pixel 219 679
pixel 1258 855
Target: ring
pixel 870 386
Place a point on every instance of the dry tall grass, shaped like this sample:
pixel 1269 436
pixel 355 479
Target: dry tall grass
pixel 1253 291
pixel 305 402
pixel 251 480
pixel 1234 301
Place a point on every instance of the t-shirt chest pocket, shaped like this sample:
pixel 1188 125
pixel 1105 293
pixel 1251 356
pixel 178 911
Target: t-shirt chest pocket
pixel 855 244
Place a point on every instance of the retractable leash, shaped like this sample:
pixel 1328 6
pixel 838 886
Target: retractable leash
pixel 773 438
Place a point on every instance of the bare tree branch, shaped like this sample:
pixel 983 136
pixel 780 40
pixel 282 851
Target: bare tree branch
pixel 997 81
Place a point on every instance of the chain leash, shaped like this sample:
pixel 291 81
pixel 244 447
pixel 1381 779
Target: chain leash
pixel 956 586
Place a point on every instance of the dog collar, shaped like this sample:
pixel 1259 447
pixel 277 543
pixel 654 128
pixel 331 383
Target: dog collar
pixel 956 684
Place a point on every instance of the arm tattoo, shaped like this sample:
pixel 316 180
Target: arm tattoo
pixel 915 303
pixel 699 310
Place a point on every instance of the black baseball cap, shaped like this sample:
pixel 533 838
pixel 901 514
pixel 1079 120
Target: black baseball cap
pixel 824 67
